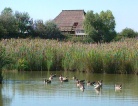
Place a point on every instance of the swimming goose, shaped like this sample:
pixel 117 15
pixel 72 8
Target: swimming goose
pixel 47 81
pixel 118 87
pixel 98 85
pixel 81 86
pixel 64 79
pixel 81 81
pixel 51 77
pixel 90 83
pixel 78 84
pixel 74 77
pixel 60 77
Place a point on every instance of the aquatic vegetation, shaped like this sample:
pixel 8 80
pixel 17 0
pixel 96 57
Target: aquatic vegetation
pixel 48 55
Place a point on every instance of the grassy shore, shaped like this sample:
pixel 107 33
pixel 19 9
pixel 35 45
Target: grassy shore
pixel 47 55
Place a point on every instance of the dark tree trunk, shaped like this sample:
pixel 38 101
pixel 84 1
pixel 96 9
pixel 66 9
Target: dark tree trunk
pixel 1 78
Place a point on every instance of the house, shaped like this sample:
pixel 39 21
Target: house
pixel 71 22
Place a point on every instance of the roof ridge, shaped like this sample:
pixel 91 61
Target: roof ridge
pixel 74 10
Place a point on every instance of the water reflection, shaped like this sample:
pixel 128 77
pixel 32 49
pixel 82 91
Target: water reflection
pixel 98 91
pixel 29 89
pixel 5 98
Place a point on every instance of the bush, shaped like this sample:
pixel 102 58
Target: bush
pixel 128 32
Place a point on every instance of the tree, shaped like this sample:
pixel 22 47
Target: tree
pixel 8 24
pixel 25 23
pixel 108 26
pixel 7 10
pixel 47 30
pixel 3 32
pixel 128 32
pixel 100 27
pixel 92 25
pixel 39 28
pixel 52 31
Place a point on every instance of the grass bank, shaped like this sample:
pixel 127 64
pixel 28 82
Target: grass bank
pixel 47 55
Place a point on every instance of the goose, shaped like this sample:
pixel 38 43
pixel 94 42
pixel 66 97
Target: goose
pixel 74 77
pixel 90 83
pixel 98 85
pixel 64 79
pixel 60 77
pixel 81 86
pixel 47 81
pixel 81 81
pixel 118 87
pixel 78 83
pixel 53 75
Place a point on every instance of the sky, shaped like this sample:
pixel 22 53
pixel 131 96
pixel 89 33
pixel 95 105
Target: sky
pixel 124 11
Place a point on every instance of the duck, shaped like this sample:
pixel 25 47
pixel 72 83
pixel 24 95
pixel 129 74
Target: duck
pixel 47 81
pixel 118 86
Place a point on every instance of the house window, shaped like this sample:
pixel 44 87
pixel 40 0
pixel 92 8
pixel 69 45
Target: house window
pixel 80 31
pixel 75 24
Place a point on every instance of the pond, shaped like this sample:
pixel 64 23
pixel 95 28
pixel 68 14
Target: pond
pixel 28 89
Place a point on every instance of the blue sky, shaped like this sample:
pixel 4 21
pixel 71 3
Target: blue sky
pixel 124 11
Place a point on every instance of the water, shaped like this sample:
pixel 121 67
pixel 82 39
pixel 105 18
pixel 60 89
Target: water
pixel 28 89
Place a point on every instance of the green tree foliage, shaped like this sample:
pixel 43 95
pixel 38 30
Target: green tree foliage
pixel 100 27
pixel 92 25
pixel 48 30
pixel 3 31
pixel 52 31
pixel 39 28
pixel 108 26
pixel 7 10
pixel 128 32
pixel 8 25
pixel 25 23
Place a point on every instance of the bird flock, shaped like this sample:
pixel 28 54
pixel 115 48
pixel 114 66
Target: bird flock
pixel 81 83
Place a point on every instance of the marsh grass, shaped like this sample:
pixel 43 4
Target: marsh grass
pixel 48 55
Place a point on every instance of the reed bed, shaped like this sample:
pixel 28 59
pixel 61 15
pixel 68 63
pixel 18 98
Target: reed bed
pixel 47 55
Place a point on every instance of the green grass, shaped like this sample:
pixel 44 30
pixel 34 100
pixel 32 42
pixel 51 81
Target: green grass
pixel 50 55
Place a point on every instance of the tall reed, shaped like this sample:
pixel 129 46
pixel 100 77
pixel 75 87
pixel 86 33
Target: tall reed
pixel 42 55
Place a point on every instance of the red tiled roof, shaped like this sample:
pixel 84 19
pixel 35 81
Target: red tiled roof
pixel 67 19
